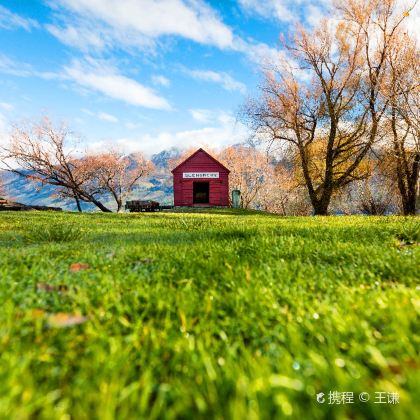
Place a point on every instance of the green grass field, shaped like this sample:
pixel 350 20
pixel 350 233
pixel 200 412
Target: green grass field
pixel 225 314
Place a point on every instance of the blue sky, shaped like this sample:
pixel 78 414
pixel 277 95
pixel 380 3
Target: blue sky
pixel 145 74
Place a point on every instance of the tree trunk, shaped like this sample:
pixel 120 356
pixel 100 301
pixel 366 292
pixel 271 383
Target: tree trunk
pixel 100 205
pixel 409 207
pixel 320 205
pixel 409 201
pixel 409 188
pixel 320 208
pixel 413 185
pixel 119 206
pixel 79 207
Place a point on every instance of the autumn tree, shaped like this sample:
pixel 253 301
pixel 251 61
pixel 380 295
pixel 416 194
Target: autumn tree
pixel 281 194
pixel 118 174
pixel 250 171
pixel 327 96
pixel 402 151
pixel 46 154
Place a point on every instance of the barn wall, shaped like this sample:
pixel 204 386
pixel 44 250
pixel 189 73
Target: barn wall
pixel 201 162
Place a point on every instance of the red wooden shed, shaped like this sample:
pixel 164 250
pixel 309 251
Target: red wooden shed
pixel 201 180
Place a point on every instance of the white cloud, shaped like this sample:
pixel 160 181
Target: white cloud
pixel 6 106
pixel 201 115
pixel 226 132
pixel 132 126
pixel 9 66
pixel 268 8
pixel 161 80
pixel 2 122
pixel 107 117
pixel 287 11
pixel 108 24
pixel 314 15
pixel 4 138
pixel 222 78
pixel 19 69
pixel 104 116
pixel 106 80
pixel 139 22
pixel 211 116
pixel 10 20
pixel 88 112
pixel 258 52
pixel 313 11
pixel 96 76
pixel 81 37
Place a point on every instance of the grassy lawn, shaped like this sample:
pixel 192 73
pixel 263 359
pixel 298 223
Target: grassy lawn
pixel 207 315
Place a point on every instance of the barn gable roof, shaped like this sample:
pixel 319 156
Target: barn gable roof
pixel 194 154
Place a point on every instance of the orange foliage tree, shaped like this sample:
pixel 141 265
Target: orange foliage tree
pixel 118 174
pixel 328 96
pixel 402 151
pixel 47 154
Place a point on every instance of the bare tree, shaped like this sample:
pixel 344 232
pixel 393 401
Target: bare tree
pixel 46 154
pixel 328 101
pixel 118 174
pixel 281 194
pixel 403 120
pixel 250 172
pixel 374 196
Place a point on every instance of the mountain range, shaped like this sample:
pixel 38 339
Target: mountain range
pixel 157 187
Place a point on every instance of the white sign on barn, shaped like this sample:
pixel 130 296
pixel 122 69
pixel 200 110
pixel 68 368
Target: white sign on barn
pixel 200 175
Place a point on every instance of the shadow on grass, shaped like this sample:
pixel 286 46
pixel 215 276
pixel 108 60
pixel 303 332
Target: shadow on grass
pixel 223 211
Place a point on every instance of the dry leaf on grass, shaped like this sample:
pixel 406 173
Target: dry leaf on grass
pixel 78 267
pixel 62 320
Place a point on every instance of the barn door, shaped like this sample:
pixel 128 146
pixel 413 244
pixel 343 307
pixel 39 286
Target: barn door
pixel 201 192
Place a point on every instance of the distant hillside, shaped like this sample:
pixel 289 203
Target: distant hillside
pixel 160 160
pixel 158 187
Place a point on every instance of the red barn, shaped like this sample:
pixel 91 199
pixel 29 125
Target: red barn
pixel 201 181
